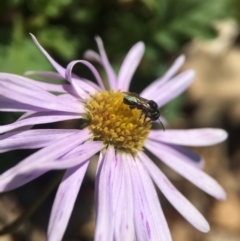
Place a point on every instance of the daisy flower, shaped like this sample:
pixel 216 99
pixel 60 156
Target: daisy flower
pixel 127 205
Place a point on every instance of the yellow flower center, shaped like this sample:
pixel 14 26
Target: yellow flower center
pixel 115 123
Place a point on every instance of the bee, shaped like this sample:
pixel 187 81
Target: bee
pixel 149 108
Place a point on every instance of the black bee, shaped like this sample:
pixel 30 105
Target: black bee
pixel 149 108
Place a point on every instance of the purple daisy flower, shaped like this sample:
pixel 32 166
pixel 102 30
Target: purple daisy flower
pixel 127 205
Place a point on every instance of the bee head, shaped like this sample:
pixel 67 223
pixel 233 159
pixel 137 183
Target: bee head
pixel 153 105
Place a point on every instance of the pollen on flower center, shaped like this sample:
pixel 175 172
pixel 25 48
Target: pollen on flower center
pixel 115 123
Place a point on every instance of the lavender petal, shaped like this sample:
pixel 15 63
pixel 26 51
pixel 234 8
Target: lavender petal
pixel 173 88
pixel 186 155
pixel 150 90
pixel 64 201
pixel 8 105
pixel 105 63
pixel 57 66
pixel 150 223
pixel 171 157
pixel 31 139
pixel 129 66
pixel 43 85
pixel 28 169
pixel 62 71
pixel 85 151
pixel 184 207
pixel 39 118
pixel 86 85
pixel 104 223
pixel 87 64
pixel 77 88
pixel 92 56
pixel 123 195
pixel 27 93
pixel 191 137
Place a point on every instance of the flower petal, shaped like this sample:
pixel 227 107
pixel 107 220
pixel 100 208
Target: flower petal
pixel 64 201
pixel 150 223
pixel 116 184
pixel 150 90
pixel 57 66
pixel 39 118
pixel 85 151
pixel 71 98
pixel 24 128
pixel 92 56
pixel 58 88
pixel 31 139
pixel 76 85
pixel 154 203
pixel 171 157
pixel 104 222
pixel 28 93
pixel 173 88
pixel 68 73
pixel 190 157
pixel 85 84
pixel 61 88
pixel 8 105
pixel 129 66
pixel 28 170
pixel 105 63
pixel 46 74
pixel 123 194
pixel 191 137
pixel 184 207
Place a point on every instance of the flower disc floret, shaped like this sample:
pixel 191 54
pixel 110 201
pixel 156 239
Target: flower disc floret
pixel 115 123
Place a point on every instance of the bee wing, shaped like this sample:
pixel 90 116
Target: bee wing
pixel 131 93
pixel 143 104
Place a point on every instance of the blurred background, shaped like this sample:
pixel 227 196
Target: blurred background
pixel 207 32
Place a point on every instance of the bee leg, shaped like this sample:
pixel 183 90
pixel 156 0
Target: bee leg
pixel 146 122
pixel 149 121
pixel 132 106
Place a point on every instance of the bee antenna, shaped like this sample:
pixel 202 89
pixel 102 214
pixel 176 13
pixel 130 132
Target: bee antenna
pixel 160 121
pixel 162 124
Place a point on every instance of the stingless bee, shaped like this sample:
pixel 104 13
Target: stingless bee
pixel 149 108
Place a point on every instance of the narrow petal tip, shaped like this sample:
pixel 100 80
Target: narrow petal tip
pixel 33 37
pixel 97 37
pixel 98 40
pixel 140 45
pixel 92 56
pixel 217 191
pixel 139 49
pixel 190 74
pixel 222 196
pixel 221 134
pixel 181 59
pixel 205 228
